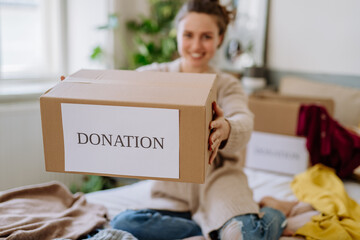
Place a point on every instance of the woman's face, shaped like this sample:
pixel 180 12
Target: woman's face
pixel 198 38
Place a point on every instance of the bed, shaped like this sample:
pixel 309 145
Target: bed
pixel 51 210
pixel 263 183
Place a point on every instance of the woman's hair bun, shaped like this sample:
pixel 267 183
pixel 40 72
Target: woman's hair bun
pixel 211 7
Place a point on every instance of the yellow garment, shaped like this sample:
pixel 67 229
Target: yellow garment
pixel 340 215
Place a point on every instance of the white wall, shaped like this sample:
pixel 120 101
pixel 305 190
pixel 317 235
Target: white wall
pixel 83 17
pixel 21 148
pixel 321 36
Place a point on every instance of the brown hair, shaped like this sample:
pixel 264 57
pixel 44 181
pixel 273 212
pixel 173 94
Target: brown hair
pixel 211 7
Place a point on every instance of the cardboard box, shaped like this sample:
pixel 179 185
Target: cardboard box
pixel 274 145
pixel 147 125
pixel 275 113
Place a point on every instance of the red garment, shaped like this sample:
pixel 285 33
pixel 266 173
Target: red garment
pixel 327 141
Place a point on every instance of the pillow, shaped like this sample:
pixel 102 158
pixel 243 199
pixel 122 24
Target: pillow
pixel 346 100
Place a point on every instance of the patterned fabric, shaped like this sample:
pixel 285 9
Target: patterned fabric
pixel 112 234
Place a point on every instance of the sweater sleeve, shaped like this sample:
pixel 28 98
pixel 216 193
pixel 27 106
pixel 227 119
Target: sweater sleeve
pixel 233 101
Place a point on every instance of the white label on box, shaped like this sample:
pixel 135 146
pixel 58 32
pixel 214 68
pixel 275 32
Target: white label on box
pixel 277 153
pixel 132 141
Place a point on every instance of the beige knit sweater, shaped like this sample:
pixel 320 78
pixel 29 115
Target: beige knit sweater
pixel 225 193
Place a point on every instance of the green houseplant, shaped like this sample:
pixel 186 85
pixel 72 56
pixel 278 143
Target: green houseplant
pixel 94 183
pixel 154 37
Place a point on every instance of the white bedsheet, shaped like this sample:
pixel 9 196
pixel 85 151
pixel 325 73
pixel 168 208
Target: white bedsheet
pixel 278 185
pixel 263 184
pixel 122 198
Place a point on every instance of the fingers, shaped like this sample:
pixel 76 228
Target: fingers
pixel 215 135
pixel 218 116
pixel 218 111
pixel 218 133
pixel 216 123
pixel 288 232
pixel 214 147
pixel 213 155
pixel 215 144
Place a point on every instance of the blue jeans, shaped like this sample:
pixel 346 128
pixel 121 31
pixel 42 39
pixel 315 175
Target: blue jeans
pixel 166 225
pixel 151 224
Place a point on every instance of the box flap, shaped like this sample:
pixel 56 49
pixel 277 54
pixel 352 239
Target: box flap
pixel 136 87
pixel 146 78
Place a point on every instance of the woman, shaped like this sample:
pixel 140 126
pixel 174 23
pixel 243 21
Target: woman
pixel 222 207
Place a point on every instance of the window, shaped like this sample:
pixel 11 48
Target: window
pixel 30 39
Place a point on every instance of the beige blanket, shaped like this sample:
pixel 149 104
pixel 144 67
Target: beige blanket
pixel 47 211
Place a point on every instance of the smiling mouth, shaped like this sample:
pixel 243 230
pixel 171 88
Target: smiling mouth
pixel 196 55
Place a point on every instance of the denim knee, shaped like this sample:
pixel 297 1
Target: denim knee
pixel 273 219
pixel 251 226
pixel 150 224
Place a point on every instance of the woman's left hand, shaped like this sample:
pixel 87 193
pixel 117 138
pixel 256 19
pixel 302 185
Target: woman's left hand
pixel 220 131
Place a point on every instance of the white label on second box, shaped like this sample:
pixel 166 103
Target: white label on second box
pixel 132 141
pixel 278 153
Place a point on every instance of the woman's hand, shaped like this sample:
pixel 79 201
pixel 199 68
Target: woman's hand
pixel 220 131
